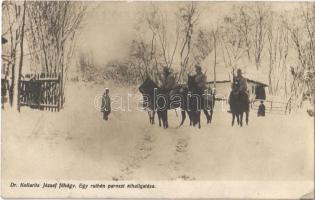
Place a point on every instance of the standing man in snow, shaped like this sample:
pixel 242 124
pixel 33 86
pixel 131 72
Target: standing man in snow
pixel 105 108
pixel 261 109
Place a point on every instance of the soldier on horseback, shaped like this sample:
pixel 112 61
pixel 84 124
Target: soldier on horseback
pixel 200 79
pixel 239 87
pixel 206 97
pixel 242 85
pixel 168 81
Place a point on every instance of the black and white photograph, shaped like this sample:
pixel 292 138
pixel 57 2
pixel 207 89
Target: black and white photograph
pixel 157 99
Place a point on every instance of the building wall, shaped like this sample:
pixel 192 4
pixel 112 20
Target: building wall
pixel 251 88
pixel 222 89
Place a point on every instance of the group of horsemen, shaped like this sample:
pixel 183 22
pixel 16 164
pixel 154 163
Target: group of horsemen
pixel 167 81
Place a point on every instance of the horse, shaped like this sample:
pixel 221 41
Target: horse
pixel 239 105
pixel 157 100
pixel 202 101
pixel 147 90
pixel 183 97
pixel 150 91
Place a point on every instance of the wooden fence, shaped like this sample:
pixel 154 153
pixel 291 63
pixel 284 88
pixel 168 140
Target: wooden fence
pixel 42 91
pixel 273 107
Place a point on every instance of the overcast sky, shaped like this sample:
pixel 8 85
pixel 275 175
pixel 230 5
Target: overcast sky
pixel 109 26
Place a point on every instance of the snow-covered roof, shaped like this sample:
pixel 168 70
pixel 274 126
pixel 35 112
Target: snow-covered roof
pixel 255 75
pixel 224 73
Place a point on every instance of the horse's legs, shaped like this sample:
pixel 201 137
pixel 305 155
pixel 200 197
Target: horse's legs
pixel 183 118
pixel 199 118
pixel 153 115
pixel 212 107
pixel 247 115
pixel 189 116
pixel 211 113
pixel 192 117
pixel 241 119
pixel 233 118
pixel 159 117
pixel 165 119
pixel 150 117
pixel 205 111
pixel 238 119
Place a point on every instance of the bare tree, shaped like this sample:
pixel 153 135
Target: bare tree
pixel 142 56
pixel 245 32
pixel 261 13
pixel 232 42
pixel 189 16
pixel 236 38
pixel 156 44
pixel 202 46
pixel 87 66
pixel 215 43
pixel 278 49
pixel 302 33
pixel 21 55
pixel 246 26
pixel 207 42
pixel 14 27
pixel 52 29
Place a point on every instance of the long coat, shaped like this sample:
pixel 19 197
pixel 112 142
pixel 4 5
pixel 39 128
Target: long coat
pixel 105 103
pixel 168 82
pixel 242 84
pixel 201 80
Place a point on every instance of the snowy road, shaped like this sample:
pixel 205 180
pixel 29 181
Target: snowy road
pixel 77 144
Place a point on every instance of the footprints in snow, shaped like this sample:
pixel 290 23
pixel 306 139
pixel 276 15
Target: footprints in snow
pixel 180 157
pixel 142 151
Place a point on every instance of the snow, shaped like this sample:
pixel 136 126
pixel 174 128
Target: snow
pixel 77 144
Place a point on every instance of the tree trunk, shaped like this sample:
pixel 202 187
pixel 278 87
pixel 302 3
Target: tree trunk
pixel 215 60
pixel 11 89
pixel 21 58
pixel 270 74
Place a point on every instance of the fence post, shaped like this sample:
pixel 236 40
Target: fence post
pixel 59 93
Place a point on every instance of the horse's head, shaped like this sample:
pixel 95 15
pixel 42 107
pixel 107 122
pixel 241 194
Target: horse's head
pixel 147 86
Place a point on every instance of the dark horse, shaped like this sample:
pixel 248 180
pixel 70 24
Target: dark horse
pixel 239 104
pixel 182 98
pixel 156 100
pixel 198 100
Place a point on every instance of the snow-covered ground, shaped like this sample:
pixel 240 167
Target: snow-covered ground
pixel 77 144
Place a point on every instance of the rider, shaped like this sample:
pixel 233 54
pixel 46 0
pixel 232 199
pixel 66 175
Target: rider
pixel 243 91
pixel 168 81
pixel 240 87
pixel 200 79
